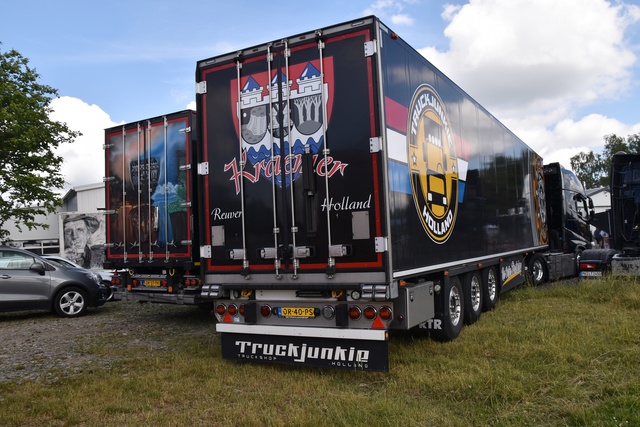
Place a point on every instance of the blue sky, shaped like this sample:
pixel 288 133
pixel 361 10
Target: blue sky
pixel 560 73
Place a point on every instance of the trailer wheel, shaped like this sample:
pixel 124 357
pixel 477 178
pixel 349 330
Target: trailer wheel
pixel 538 270
pixel 490 289
pixel 472 296
pixel 451 312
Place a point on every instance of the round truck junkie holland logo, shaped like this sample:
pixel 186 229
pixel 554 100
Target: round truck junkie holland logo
pixel 433 164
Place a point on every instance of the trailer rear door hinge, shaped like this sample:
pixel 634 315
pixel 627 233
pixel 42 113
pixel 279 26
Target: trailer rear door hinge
pixel 203 168
pixel 205 251
pixel 381 244
pixel 370 48
pixel 201 87
pixel 375 144
pixel 185 130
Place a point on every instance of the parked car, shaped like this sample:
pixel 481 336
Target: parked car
pixel 105 275
pixel 30 282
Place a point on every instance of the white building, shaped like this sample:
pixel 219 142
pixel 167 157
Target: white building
pixel 82 199
pixel 601 199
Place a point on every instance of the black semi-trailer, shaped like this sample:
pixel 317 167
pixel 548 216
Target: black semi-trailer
pixel 151 199
pixel 351 188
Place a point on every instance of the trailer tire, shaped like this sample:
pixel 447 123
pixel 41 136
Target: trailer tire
pixel 538 270
pixel 490 289
pixel 451 311
pixel 473 297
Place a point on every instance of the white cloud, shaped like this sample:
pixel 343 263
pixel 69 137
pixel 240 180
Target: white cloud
pixel 84 158
pixel 537 53
pixel 534 64
pixel 402 19
pixel 568 137
pixel 391 9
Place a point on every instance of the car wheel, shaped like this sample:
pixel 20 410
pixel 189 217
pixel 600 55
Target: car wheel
pixel 70 302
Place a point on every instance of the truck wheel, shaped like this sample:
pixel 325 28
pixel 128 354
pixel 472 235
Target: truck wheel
pixel 451 312
pixel 473 297
pixel 70 302
pixel 490 289
pixel 538 270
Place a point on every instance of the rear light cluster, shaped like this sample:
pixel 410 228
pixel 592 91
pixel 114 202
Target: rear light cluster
pixel 328 312
pixel 370 312
pixel 115 280
pixel 587 266
pixel 232 309
pixel 192 282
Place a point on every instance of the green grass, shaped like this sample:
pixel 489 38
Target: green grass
pixel 559 355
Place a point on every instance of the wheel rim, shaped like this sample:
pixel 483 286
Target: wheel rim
pixel 475 293
pixel 71 303
pixel 491 285
pixel 455 312
pixel 538 270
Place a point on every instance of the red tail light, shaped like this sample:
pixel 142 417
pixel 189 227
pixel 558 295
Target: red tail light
pixel 386 313
pixel 265 310
pixel 370 312
pixel 354 312
pixel 221 309
pixel 587 266
pixel 233 309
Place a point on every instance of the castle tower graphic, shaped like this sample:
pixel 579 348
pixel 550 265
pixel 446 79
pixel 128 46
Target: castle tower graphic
pixel 303 113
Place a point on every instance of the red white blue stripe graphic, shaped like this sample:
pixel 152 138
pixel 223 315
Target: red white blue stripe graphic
pixel 396 116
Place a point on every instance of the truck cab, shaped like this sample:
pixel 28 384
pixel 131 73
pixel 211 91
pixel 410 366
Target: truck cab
pixel 623 256
pixel 569 210
pixel 569 214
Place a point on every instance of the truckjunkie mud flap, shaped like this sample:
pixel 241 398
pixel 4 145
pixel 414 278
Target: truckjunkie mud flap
pixel 316 351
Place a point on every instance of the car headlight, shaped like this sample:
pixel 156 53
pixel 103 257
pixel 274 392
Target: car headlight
pixel 93 276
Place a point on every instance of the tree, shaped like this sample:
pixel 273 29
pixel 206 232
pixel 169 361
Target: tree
pixel 589 169
pixel 29 167
pixel 592 169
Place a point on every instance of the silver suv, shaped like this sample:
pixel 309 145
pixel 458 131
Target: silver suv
pixel 29 282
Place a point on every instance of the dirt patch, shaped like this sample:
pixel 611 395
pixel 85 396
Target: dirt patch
pixel 39 346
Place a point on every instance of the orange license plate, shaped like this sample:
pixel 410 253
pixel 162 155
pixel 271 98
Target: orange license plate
pixel 152 283
pixel 298 312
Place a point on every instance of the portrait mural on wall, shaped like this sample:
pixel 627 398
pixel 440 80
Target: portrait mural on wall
pixel 83 237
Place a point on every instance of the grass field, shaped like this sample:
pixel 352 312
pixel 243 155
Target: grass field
pixel 564 354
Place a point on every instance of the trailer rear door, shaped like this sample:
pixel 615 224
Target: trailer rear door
pixel 293 184
pixel 148 187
